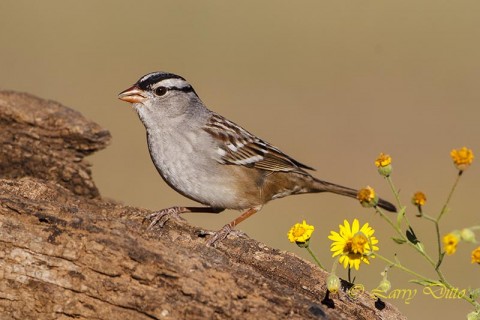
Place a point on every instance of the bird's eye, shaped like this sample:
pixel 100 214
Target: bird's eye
pixel 160 91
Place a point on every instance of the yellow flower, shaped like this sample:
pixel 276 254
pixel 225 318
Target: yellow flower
pixel 383 160
pixel 462 158
pixel 353 244
pixel 476 255
pixel 419 198
pixel 300 232
pixel 384 164
pixel 450 242
pixel 367 197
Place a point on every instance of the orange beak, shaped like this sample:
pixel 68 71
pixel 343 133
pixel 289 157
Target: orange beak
pixel 133 95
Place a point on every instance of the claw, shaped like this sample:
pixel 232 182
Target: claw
pixel 220 235
pixel 161 217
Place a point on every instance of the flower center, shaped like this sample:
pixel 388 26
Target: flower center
pixel 359 243
pixel 366 194
pixel 298 232
pixel 356 244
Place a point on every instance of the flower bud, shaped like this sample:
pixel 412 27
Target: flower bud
pixel 384 164
pixel 474 315
pixel 476 255
pixel 384 285
pixel 468 235
pixel 367 197
pixel 419 199
pixel 462 158
pixel 333 283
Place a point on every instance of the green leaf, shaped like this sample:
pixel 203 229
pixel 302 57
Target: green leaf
pixel 399 240
pixel 400 215
pixel 420 246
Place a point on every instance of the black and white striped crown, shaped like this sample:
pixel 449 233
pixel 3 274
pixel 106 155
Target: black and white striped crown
pixel 170 81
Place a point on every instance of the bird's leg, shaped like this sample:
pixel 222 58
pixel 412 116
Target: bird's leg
pixel 223 233
pixel 161 217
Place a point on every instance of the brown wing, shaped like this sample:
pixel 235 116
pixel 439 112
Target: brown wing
pixel 238 146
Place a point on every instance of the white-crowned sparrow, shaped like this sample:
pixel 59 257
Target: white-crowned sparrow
pixel 212 160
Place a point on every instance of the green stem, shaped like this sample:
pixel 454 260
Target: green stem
pixel 439 244
pixel 444 209
pixel 399 232
pixel 394 190
pixel 398 228
pixel 398 265
pixel 401 267
pixel 315 258
pixel 437 228
pixel 397 197
pixel 390 222
pixel 424 254
pixel 436 221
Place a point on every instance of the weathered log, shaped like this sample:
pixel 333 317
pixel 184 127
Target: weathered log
pixel 46 140
pixel 67 253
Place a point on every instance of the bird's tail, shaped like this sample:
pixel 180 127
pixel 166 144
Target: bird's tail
pixel 324 186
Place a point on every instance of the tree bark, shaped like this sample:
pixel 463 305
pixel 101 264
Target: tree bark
pixel 65 252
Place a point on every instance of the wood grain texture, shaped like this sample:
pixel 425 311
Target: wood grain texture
pixel 67 253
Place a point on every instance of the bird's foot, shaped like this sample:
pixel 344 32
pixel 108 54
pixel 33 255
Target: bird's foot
pixel 220 235
pixel 161 217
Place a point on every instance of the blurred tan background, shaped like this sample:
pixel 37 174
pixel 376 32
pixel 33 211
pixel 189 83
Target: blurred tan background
pixel 332 83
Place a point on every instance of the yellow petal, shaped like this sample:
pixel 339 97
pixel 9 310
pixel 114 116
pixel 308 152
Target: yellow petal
pixel 355 226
